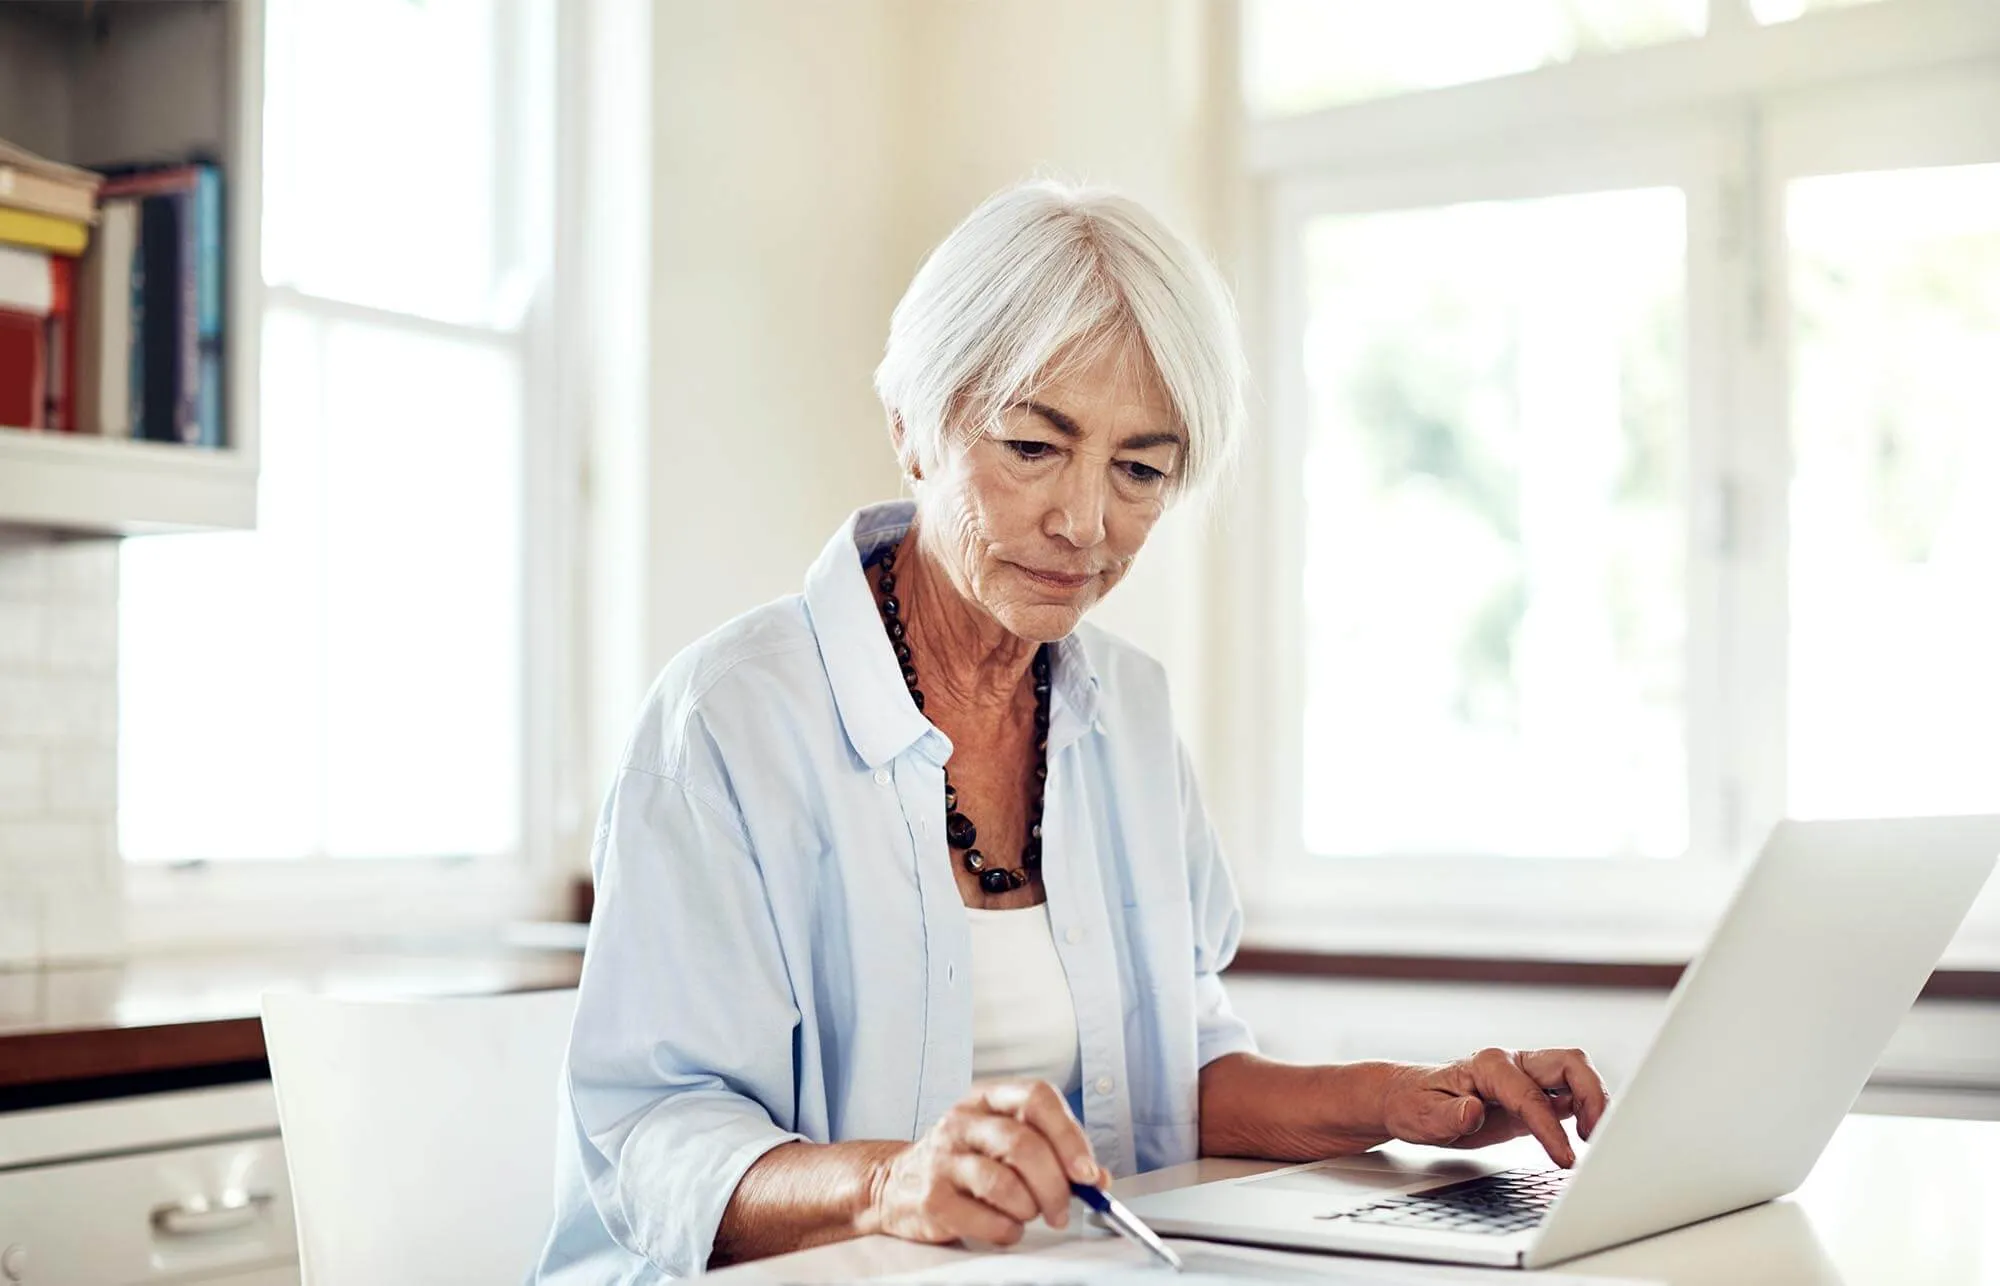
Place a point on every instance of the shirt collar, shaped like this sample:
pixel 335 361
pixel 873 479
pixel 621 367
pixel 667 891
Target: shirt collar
pixel 875 707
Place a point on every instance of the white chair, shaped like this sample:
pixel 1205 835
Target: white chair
pixel 420 1135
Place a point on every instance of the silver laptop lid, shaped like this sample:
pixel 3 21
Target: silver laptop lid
pixel 1773 1031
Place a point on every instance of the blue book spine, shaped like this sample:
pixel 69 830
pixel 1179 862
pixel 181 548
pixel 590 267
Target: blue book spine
pixel 187 337
pixel 209 256
pixel 208 249
pixel 135 387
pixel 208 402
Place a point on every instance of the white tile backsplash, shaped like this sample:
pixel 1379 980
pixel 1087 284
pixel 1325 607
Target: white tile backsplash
pixel 24 571
pixel 81 638
pixel 82 781
pixel 57 709
pixel 53 848
pixel 60 875
pixel 23 633
pixel 21 790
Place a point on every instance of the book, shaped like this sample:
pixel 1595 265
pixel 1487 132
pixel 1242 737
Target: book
pixel 186 279
pixel 25 191
pixel 43 231
pixel 159 324
pixel 104 322
pixel 23 369
pixel 27 282
pixel 60 328
pixel 135 351
pixel 37 184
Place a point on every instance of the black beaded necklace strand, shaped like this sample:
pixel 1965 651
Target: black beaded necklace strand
pixel 959 831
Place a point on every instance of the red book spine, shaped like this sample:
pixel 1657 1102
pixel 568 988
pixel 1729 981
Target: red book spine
pixel 23 368
pixel 178 178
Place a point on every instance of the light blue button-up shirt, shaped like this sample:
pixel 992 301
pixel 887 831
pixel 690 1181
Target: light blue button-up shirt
pixel 779 950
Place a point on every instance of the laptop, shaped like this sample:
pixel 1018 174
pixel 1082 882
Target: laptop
pixel 1767 1041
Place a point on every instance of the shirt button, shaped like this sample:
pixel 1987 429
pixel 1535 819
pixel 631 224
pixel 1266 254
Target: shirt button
pixel 1103 1085
pixel 881 776
pixel 1072 935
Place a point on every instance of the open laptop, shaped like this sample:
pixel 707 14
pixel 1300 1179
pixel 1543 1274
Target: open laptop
pixel 1767 1041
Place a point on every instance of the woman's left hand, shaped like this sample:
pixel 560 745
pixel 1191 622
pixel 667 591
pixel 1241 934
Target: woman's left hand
pixel 1496 1095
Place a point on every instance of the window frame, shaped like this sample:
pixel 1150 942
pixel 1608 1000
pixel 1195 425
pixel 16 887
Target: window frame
pixel 168 905
pixel 1727 117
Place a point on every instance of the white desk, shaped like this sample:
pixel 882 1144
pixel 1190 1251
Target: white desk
pixel 1894 1200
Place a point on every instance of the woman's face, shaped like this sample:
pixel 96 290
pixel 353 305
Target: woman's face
pixel 1037 521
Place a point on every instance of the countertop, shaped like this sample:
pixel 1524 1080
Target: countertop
pixel 169 1021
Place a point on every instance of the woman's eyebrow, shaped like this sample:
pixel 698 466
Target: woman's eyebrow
pixel 1060 422
pixel 1069 428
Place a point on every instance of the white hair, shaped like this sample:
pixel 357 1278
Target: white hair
pixel 1045 273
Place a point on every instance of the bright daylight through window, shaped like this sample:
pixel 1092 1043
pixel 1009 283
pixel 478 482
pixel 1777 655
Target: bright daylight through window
pixel 1496 524
pixel 1895 504
pixel 383 586
pixel 1640 461
pixel 1305 54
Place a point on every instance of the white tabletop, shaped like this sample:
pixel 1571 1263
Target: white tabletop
pixel 1894 1199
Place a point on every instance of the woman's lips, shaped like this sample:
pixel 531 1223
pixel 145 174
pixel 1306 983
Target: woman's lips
pixel 1056 580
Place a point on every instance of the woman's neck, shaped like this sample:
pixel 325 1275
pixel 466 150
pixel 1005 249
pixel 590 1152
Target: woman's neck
pixel 966 657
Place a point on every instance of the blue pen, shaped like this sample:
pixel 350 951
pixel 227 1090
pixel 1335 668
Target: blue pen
pixel 1125 1222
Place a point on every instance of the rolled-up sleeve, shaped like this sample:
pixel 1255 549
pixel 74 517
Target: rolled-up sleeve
pixel 1218 927
pixel 680 1063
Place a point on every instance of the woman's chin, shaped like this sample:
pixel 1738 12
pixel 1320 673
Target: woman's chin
pixel 1041 622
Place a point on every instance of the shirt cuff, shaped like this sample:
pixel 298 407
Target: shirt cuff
pixel 679 1170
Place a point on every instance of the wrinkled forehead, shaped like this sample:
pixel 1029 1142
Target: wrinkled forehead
pixel 1104 382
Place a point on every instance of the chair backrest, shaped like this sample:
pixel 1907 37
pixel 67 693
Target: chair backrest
pixel 420 1135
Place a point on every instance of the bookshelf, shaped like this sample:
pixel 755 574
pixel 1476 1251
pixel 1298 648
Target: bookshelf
pixel 94 82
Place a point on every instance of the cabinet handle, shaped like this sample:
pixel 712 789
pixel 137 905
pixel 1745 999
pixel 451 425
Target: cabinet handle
pixel 201 1217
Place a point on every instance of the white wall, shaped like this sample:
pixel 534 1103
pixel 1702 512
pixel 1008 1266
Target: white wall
pixel 806 156
pixel 777 163
pixel 1113 92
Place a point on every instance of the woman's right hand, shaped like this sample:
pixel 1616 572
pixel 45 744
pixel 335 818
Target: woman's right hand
pixel 1002 1155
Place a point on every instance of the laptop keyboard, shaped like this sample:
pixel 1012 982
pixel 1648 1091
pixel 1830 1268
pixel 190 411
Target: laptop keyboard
pixel 1509 1201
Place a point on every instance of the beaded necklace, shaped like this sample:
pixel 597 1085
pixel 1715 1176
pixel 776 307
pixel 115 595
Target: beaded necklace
pixel 959 831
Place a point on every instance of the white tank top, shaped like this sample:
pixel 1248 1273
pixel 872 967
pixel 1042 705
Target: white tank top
pixel 1023 1019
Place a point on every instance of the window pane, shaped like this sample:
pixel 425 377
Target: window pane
pixel 1895 500
pixel 345 681
pixel 1300 55
pixel 423 617
pixel 1496 528
pixel 1770 11
pixel 220 648
pixel 383 127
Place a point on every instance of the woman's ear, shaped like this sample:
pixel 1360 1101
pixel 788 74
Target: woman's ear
pixel 900 440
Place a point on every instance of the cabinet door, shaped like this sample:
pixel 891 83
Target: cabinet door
pixel 186 1215
pixel 282 1275
pixel 285 1275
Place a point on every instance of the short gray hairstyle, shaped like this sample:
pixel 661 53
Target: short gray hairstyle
pixel 1046 272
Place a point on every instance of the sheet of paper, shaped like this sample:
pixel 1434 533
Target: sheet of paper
pixel 1115 1262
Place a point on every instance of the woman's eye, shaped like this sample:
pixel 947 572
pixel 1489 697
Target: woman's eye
pixel 1028 448
pixel 1145 473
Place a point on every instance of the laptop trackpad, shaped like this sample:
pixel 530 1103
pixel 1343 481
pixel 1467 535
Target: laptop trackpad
pixel 1358 1175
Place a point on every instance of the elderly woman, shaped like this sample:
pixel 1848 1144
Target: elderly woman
pixel 907 908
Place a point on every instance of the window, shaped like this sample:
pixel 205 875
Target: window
pixel 1768 11
pixel 352 679
pixel 1629 483
pixel 1495 527
pixel 1895 495
pixel 1307 54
